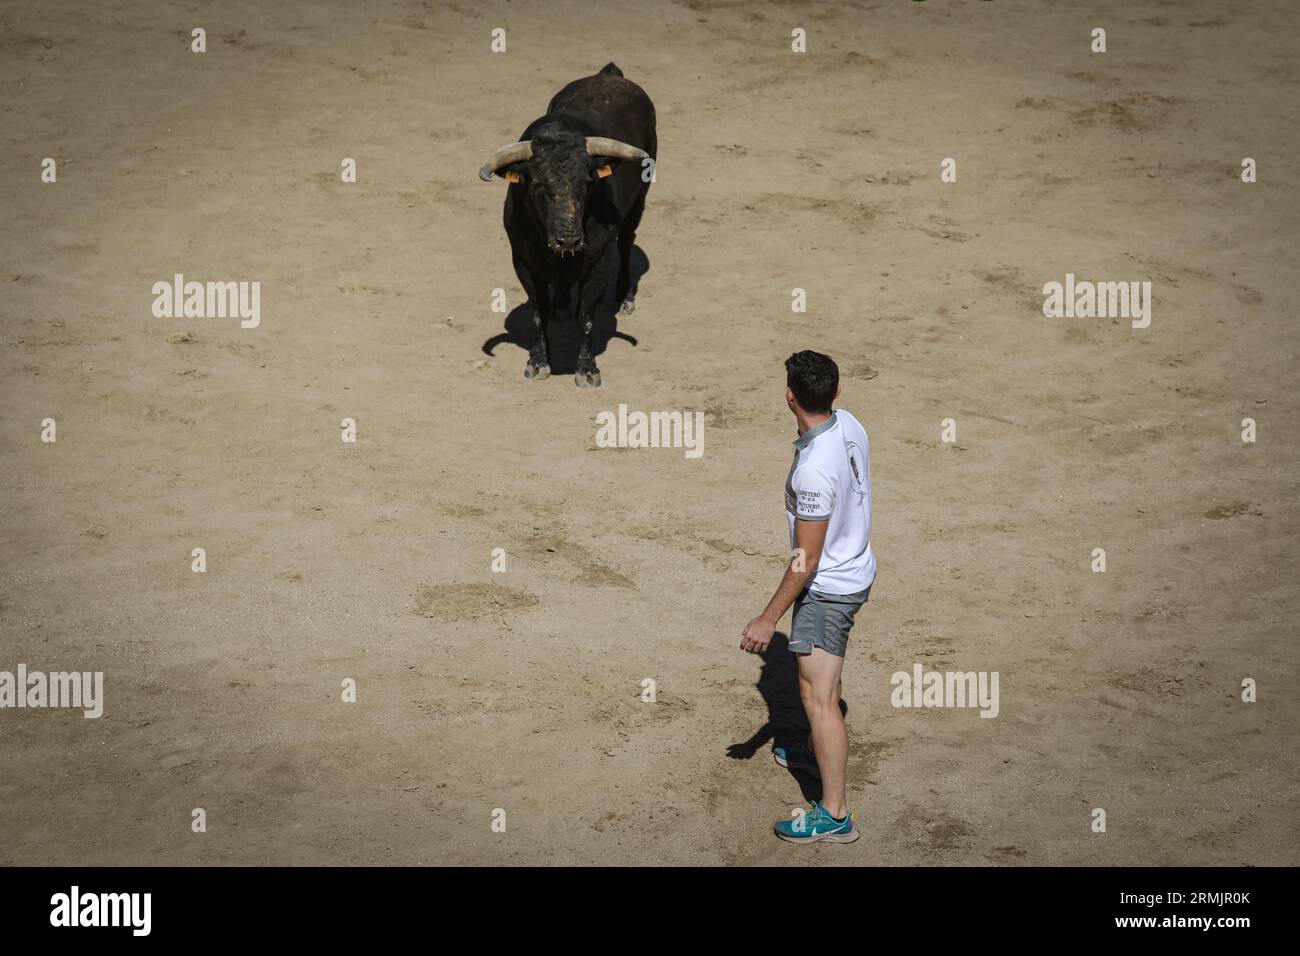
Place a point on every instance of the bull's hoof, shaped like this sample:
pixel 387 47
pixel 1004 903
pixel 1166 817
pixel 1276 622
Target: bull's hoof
pixel 589 377
pixel 532 371
pixel 628 306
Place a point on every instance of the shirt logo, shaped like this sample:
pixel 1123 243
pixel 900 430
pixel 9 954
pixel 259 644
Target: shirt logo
pixel 854 454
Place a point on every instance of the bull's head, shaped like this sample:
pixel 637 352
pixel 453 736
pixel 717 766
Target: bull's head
pixel 558 170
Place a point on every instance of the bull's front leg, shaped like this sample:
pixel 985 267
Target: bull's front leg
pixel 539 295
pixel 591 295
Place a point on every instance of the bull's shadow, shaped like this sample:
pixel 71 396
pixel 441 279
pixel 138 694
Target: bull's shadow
pixel 778 685
pixel 562 333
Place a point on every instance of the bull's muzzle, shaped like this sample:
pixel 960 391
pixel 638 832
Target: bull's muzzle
pixel 567 245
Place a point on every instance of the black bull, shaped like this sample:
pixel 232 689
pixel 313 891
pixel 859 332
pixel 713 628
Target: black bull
pixel 578 181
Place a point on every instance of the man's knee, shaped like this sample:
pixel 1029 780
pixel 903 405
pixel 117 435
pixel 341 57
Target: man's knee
pixel 820 699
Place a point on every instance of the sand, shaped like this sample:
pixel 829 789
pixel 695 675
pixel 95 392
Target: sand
pixel 372 561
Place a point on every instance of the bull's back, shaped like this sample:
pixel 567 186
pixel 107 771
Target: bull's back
pixel 616 107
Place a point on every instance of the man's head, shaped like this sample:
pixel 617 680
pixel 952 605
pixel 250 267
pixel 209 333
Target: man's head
pixel 812 382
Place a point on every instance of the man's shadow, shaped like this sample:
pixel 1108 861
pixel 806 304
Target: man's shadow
pixel 562 332
pixel 778 684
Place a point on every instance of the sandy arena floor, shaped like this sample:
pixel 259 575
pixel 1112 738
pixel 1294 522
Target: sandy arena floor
pixel 522 690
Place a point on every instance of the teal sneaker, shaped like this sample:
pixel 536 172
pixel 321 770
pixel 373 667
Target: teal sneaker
pixel 817 826
pixel 797 757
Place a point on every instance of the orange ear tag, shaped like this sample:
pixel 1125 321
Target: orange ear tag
pixel 512 177
pixel 604 171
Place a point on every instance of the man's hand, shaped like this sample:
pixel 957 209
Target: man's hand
pixel 809 538
pixel 757 635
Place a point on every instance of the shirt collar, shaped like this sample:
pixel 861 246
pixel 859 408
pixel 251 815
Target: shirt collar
pixel 804 440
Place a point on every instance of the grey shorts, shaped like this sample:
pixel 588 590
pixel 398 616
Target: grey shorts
pixel 824 620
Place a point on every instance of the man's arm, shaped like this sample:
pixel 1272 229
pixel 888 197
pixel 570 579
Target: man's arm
pixel 809 537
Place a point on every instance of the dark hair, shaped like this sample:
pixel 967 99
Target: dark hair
pixel 813 378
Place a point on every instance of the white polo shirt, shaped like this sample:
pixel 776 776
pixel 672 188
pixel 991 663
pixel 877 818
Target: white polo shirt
pixel 830 480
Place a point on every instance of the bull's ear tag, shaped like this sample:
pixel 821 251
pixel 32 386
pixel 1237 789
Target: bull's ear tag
pixel 603 171
pixel 512 177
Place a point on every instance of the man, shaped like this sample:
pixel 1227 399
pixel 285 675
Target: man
pixel 828 504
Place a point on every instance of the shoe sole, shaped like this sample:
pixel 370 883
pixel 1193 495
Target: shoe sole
pixel 851 837
pixel 810 769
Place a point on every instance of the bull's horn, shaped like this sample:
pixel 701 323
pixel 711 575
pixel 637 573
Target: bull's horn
pixel 600 146
pixel 504 157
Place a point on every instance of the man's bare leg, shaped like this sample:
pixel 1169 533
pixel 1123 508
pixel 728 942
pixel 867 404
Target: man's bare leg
pixel 839 696
pixel 819 686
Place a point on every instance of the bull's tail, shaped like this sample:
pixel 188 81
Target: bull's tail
pixel 610 69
